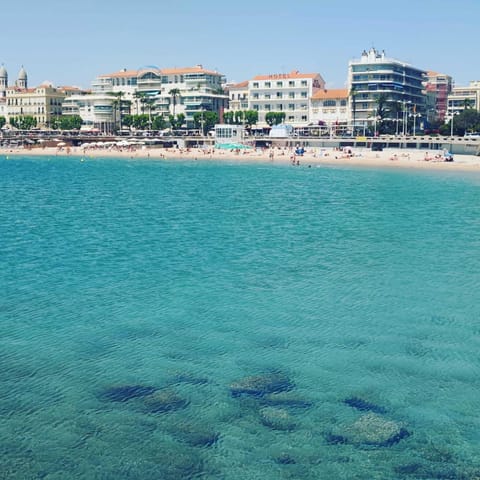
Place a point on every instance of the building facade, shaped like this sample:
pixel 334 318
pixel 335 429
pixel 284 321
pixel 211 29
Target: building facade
pixel 438 87
pixel 330 108
pixel 399 85
pixel 168 91
pixel 284 92
pixel 463 97
pixel 42 103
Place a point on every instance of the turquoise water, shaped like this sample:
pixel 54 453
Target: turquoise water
pixel 137 296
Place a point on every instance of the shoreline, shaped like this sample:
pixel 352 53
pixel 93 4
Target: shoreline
pixel 358 157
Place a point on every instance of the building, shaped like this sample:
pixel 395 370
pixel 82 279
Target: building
pixel 330 108
pixel 42 103
pixel 237 96
pixel 438 86
pixel 463 97
pixel 284 92
pixel 399 85
pixel 168 91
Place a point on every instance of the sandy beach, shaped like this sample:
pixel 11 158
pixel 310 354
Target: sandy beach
pixel 394 158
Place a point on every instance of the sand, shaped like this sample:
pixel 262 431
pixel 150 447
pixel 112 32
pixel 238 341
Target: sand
pixel 394 158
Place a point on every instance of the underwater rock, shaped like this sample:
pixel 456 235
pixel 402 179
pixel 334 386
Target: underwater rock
pixel 276 418
pixel 165 400
pixel 195 435
pixel 260 385
pixel 286 399
pixel 123 393
pixel 372 429
pixel 364 405
pixel 285 459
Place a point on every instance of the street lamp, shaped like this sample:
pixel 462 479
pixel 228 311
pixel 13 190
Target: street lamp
pixel 451 123
pixel 405 116
pixel 415 115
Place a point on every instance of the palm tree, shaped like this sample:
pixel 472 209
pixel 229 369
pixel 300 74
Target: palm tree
pixel 139 97
pixel 174 92
pixel 353 94
pixel 117 106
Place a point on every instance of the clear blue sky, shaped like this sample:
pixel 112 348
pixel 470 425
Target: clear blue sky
pixel 70 43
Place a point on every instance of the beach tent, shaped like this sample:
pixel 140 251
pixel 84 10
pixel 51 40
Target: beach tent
pixel 231 146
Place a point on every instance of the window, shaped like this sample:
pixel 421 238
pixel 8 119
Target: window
pixel 280 84
pixel 255 95
pixel 343 103
pixel 304 118
pixel 267 107
pixel 291 106
pixel 255 107
pixel 304 94
pixel 279 94
pixel 329 103
pixel 267 95
pixel 291 83
pixel 255 84
pixel 280 107
pixel 291 95
pixel 268 84
pixel 303 83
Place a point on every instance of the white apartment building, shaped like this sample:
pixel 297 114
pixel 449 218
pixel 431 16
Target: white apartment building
pixel 374 74
pixel 171 90
pixel 238 96
pixel 330 108
pixel 463 97
pixel 284 92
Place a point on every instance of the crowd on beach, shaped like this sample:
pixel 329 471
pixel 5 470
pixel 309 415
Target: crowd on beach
pixel 294 155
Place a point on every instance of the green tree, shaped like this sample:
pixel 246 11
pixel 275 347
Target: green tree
pixel 205 120
pixel 159 123
pixel 228 117
pixel 141 122
pixel 174 93
pixel 128 120
pixel 176 121
pixel 117 104
pixel 353 101
pixel 3 121
pixel 239 116
pixel 251 117
pixel 275 118
pixel 23 123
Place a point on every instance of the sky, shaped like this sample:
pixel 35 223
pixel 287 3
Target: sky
pixel 70 43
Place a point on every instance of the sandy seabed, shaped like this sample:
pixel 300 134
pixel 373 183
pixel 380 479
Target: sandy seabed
pixel 403 158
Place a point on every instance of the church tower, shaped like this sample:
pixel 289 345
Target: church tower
pixel 3 81
pixel 22 81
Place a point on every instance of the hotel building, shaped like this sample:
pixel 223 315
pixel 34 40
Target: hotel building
pixel 284 92
pixel 375 74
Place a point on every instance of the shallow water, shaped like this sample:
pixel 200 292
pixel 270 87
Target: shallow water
pixel 122 278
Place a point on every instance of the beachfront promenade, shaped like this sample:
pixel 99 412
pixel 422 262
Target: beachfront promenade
pixel 456 145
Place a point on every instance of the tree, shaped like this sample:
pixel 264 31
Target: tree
pixel 251 117
pixel 239 116
pixel 117 107
pixel 381 111
pixel 205 120
pixel 66 122
pixel 228 117
pixel 23 123
pixel 275 118
pixel 174 92
pixel 353 95
pixel 159 123
pixel 177 121
pixel 3 121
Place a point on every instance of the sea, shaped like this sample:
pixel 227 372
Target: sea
pixel 217 320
